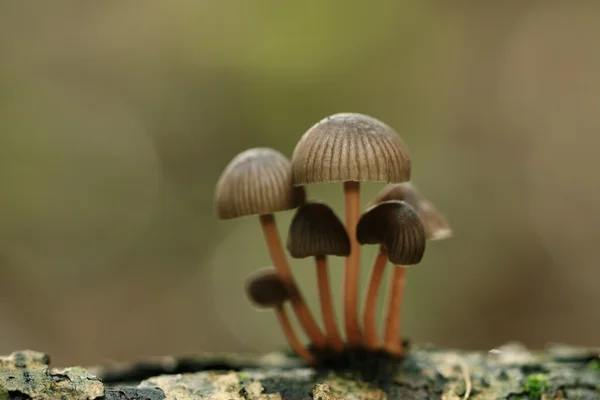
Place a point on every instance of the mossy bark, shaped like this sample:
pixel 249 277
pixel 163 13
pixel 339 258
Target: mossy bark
pixel 509 372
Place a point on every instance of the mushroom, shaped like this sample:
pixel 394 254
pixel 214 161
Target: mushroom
pixel 350 148
pixel 436 228
pixel 266 290
pixel 259 182
pixel 397 228
pixel 317 232
pixel 436 224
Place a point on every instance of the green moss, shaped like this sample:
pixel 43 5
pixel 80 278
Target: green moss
pixel 594 365
pixel 536 384
pixel 244 376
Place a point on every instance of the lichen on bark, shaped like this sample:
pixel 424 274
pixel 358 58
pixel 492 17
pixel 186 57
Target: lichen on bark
pixel 509 372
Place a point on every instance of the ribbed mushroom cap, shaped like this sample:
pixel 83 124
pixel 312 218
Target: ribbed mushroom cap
pixel 397 226
pixel 436 224
pixel 316 231
pixel 266 289
pixel 350 147
pixel 257 181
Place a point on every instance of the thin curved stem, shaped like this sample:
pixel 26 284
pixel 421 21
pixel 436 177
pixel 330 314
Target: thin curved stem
pixel 291 337
pixel 393 341
pixel 333 336
pixel 271 234
pixel 351 275
pixel 371 301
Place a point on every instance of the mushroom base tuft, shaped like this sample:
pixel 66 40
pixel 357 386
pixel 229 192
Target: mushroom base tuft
pixel 360 362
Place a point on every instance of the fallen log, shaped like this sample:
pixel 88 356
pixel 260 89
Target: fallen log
pixel 427 372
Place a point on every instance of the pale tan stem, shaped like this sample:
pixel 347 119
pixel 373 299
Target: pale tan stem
pixel 279 259
pixel 352 200
pixel 393 341
pixel 333 336
pixel 371 302
pixel 291 337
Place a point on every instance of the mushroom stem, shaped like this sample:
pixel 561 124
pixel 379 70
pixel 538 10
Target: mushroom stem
pixel 291 337
pixel 333 336
pixel 280 262
pixel 352 200
pixel 393 341
pixel 371 302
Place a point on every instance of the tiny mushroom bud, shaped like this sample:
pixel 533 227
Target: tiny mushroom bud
pixel 266 290
pixel 317 232
pixel 436 224
pixel 259 182
pixel 397 228
pixel 351 148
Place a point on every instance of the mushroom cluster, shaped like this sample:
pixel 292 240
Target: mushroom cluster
pixel 346 148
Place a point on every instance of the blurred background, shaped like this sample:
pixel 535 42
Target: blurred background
pixel 117 118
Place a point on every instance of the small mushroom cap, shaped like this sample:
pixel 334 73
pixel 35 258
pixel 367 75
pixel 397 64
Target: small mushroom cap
pixel 266 289
pixel 397 226
pixel 350 147
pixel 257 181
pixel 436 224
pixel 316 231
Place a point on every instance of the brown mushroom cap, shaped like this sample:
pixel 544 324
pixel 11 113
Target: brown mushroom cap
pixel 397 226
pixel 316 231
pixel 257 181
pixel 436 224
pixel 350 147
pixel 266 289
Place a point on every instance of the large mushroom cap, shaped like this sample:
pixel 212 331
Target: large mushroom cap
pixel 397 226
pixel 316 231
pixel 266 289
pixel 435 223
pixel 257 181
pixel 350 147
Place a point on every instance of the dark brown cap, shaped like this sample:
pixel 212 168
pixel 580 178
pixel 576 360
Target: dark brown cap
pixel 397 226
pixel 316 231
pixel 256 181
pixel 350 147
pixel 266 289
pixel 436 224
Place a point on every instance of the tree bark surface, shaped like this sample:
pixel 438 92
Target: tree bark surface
pixel 509 372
